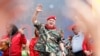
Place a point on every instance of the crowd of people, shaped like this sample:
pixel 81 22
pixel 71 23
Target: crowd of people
pixel 48 40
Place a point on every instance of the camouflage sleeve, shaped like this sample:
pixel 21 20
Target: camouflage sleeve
pixel 67 42
pixel 60 39
pixel 37 25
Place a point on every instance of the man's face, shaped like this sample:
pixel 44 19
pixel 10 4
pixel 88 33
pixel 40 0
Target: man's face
pixel 51 22
pixel 75 30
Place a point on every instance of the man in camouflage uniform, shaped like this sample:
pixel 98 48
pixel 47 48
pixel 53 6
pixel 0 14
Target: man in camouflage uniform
pixel 49 42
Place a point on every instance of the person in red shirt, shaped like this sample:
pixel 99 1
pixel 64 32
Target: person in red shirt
pixel 16 39
pixel 32 44
pixel 88 45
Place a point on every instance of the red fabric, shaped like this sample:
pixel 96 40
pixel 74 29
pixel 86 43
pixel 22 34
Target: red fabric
pixel 49 27
pixel 16 44
pixel 88 44
pixel 6 52
pixel 31 47
pixel 5 38
pixel 51 17
pixel 72 27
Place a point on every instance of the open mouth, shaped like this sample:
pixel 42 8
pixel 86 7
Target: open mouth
pixel 51 23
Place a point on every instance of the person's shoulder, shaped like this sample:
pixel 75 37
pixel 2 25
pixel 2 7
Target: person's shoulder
pixel 18 34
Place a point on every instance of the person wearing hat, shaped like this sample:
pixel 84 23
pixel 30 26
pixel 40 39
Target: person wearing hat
pixel 49 42
pixel 77 41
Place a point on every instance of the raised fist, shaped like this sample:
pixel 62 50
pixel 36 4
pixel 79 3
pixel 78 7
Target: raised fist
pixel 39 8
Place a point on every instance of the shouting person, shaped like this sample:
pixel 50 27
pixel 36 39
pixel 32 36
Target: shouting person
pixel 49 42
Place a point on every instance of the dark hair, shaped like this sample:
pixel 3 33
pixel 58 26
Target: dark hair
pixel 14 30
pixel 35 32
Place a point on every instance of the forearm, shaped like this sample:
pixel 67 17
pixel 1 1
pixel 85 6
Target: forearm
pixel 61 46
pixel 35 16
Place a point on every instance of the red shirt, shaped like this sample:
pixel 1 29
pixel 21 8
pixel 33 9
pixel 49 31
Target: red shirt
pixel 6 52
pixel 31 47
pixel 4 38
pixel 16 44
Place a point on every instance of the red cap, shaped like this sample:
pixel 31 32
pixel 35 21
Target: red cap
pixel 51 17
pixel 72 27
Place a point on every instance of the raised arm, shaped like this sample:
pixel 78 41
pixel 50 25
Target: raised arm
pixel 23 38
pixel 38 9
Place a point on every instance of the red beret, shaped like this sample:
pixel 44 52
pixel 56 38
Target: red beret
pixel 51 17
pixel 72 27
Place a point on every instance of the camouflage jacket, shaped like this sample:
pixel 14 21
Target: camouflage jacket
pixel 48 39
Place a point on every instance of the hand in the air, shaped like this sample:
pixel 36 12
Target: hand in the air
pixel 39 8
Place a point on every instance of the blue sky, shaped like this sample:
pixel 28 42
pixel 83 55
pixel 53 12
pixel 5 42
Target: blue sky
pixel 50 7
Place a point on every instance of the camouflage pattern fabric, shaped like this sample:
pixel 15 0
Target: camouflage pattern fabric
pixel 48 39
